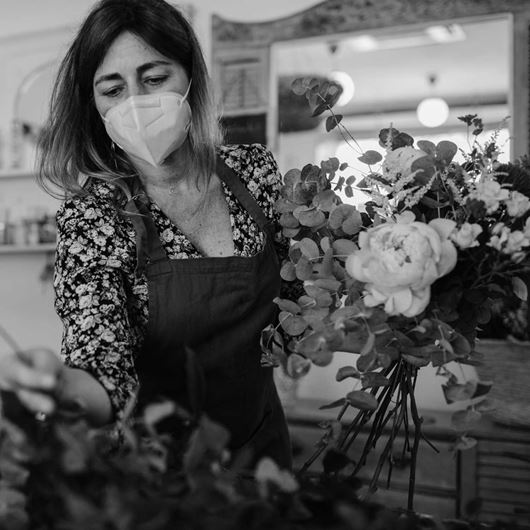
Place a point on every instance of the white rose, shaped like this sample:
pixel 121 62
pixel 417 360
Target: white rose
pixel 490 193
pixel 517 204
pixel 399 261
pixel 466 235
pixel 398 163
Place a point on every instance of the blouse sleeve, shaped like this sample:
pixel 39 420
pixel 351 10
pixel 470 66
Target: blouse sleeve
pixel 91 297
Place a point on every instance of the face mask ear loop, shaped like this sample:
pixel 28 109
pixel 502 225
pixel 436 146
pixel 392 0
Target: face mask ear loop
pixel 185 96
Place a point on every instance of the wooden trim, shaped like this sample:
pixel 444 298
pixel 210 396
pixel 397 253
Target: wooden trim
pixel 345 16
pixel 520 81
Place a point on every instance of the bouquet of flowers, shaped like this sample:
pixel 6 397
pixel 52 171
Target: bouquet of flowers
pixel 405 280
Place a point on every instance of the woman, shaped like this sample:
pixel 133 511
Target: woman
pixel 165 250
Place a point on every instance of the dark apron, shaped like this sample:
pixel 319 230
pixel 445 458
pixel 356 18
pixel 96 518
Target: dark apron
pixel 217 307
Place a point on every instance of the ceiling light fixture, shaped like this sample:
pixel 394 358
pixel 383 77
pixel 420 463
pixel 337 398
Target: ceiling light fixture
pixel 348 86
pixel 432 111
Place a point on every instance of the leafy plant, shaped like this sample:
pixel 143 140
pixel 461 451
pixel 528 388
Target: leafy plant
pixel 405 281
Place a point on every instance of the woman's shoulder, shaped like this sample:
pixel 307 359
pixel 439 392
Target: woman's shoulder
pixel 256 167
pixel 252 162
pixel 97 202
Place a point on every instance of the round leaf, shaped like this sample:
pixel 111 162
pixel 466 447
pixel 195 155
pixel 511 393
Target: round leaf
pixel 291 324
pixel 342 248
pixel 362 400
pixel 309 248
pixel 347 371
pixel 370 157
pixel 288 305
pixel 297 366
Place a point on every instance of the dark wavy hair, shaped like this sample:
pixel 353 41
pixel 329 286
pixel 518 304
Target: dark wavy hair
pixel 74 144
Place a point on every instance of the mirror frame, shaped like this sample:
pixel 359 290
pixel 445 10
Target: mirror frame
pixel 242 51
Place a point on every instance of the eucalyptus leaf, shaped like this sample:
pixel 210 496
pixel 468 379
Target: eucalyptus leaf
pixel 373 380
pixel 287 305
pixel 342 248
pixel 299 86
pixel 328 284
pixel 322 357
pixel 445 151
pixel 310 216
pixel 288 220
pixel 304 269
pixel 311 343
pixel 347 371
pixel 288 271
pixel 326 200
pixel 335 404
pixel 309 248
pixel 362 400
pixel 370 157
pixel 333 121
pixel 415 361
pixel 519 288
pixel 427 146
pixel 297 366
pixel 291 324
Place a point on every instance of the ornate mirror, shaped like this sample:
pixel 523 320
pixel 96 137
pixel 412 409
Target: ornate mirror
pixel 388 56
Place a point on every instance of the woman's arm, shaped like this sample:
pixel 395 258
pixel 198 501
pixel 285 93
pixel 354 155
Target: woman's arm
pixel 101 315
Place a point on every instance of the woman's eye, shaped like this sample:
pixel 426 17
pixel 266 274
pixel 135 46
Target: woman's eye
pixel 154 81
pixel 112 92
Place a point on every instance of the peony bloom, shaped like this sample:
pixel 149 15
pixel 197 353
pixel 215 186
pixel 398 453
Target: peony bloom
pixel 398 163
pixel 466 235
pixel 399 261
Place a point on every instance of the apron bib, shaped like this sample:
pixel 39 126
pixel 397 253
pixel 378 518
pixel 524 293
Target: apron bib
pixel 217 307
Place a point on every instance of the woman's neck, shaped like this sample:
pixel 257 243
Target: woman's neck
pixel 174 176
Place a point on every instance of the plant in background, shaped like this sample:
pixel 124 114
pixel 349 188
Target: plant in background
pixel 405 281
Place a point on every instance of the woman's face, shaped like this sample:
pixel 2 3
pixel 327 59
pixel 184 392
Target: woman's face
pixel 131 67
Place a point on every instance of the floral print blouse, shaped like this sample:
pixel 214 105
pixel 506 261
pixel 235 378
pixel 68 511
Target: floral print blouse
pixel 102 303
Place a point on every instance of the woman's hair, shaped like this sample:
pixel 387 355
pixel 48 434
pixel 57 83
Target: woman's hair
pixel 75 144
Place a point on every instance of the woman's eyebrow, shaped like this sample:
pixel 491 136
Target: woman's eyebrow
pixel 144 67
pixel 141 69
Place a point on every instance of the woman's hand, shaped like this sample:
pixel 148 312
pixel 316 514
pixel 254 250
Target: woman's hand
pixel 34 376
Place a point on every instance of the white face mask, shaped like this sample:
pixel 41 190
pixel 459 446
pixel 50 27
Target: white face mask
pixel 150 126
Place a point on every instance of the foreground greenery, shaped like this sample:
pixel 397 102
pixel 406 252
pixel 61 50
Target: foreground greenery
pixel 61 474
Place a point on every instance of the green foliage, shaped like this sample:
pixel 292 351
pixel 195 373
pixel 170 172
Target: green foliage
pixel 63 475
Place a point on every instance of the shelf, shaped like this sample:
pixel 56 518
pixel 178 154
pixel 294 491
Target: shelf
pixel 27 249
pixel 16 173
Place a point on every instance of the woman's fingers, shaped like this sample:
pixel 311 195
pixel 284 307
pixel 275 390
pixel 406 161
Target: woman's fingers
pixel 15 373
pixel 36 401
pixel 28 377
pixel 41 359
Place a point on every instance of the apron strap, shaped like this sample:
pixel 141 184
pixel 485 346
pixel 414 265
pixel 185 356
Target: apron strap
pixel 228 175
pixel 148 244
